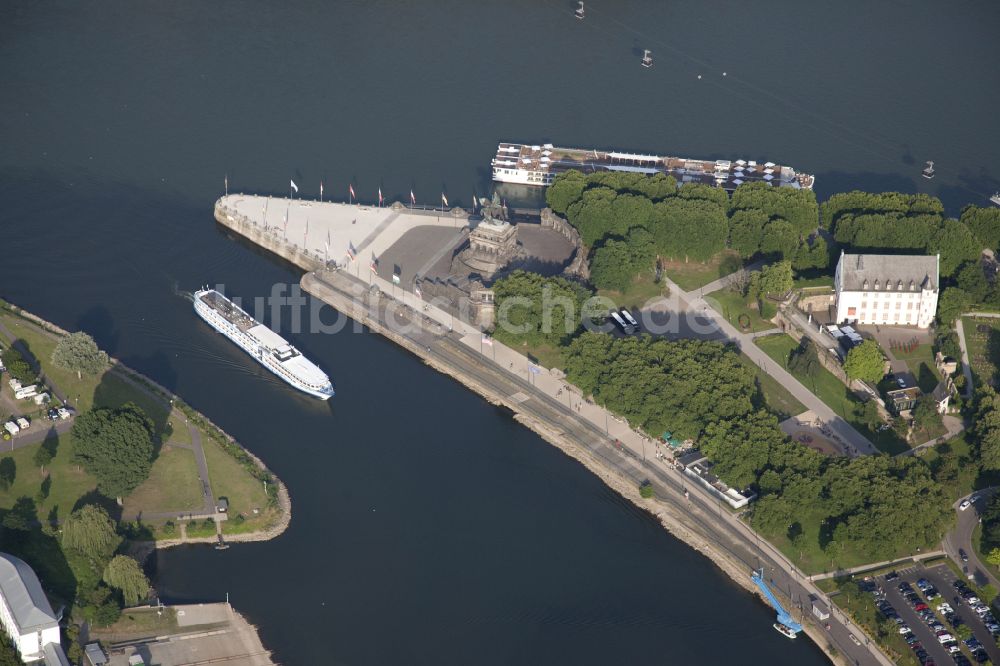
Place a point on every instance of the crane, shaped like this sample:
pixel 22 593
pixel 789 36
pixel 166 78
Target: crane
pixel 786 624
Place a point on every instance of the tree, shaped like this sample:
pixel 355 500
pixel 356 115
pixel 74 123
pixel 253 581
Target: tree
pixel 951 304
pixel 8 472
pixel 972 280
pixel 610 266
pixel 44 453
pixel 124 574
pixel 566 189
pixel 77 352
pixel 23 516
pixel 745 230
pixel 865 362
pixel 926 414
pixel 994 557
pixel 116 446
pixel 779 239
pixel 805 360
pixel 91 532
pixel 776 278
pixel 17 367
pixel 646 490
pixel 984 223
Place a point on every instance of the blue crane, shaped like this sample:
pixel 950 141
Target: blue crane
pixel 784 618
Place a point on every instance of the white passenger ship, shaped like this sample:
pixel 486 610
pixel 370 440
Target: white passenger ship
pixel 538 165
pixel 269 348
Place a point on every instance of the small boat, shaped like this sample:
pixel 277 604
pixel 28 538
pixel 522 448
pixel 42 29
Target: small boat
pixel 996 198
pixel 928 171
pixel 647 58
pixel 783 630
pixel 579 11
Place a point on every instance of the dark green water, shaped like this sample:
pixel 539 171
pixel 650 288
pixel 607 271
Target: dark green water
pixel 428 527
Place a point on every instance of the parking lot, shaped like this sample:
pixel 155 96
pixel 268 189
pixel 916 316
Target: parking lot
pixel 914 596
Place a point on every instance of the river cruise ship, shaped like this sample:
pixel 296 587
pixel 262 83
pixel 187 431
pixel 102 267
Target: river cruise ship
pixel 270 349
pixel 538 165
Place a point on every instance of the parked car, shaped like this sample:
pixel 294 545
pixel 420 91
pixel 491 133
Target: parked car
pixel 962 555
pixel 964 505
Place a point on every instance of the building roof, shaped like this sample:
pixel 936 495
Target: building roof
pixel 23 595
pixel 95 654
pixel 888 272
pixel 54 655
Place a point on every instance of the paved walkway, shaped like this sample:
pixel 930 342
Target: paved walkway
pixel 877 565
pixel 953 426
pixel 843 433
pixel 726 280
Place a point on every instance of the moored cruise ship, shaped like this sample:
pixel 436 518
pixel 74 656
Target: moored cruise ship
pixel 538 165
pixel 270 349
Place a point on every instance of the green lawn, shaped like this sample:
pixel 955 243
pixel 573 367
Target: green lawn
pixel 693 274
pixel 138 623
pixel 642 290
pixel 777 399
pixel 813 283
pixel 199 529
pixel 230 480
pixel 172 485
pixel 830 390
pixel 68 482
pixel 108 389
pixel 984 348
pixel 732 305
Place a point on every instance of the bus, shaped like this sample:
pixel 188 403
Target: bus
pixel 629 318
pixel 626 328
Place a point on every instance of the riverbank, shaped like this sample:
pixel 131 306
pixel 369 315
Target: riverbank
pixel 688 518
pixel 542 400
pixel 197 463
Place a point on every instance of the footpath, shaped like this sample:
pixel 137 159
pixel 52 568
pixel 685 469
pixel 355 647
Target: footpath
pixel 622 457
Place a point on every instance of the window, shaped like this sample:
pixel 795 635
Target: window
pixel 909 306
pixel 851 312
pixel 899 305
pixel 885 306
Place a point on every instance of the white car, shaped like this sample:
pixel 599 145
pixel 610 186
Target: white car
pixel 964 505
pixel 903 629
pixel 944 608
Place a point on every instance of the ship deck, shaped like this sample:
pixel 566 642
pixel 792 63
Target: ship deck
pixel 229 311
pixel 726 173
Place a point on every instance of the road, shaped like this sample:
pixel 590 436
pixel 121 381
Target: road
pixel 506 377
pixel 850 440
pixel 960 536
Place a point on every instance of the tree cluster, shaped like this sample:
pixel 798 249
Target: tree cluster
pixel 877 505
pixel 17 366
pixel 905 222
pixel 116 446
pixel 536 310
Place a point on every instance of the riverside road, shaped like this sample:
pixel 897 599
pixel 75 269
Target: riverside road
pixel 704 515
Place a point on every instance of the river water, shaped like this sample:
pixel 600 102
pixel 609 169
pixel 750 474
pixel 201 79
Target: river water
pixel 428 526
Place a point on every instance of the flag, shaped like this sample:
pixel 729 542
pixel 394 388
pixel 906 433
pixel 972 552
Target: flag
pixel 487 340
pixel 413 198
pixel 374 264
pixel 350 188
pixel 380 196
pixel 395 278
pixel 533 369
pixel 307 232
pixel 226 181
pixel 351 252
pixel 444 200
pixel 294 186
pixel 475 202
pixel 321 189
